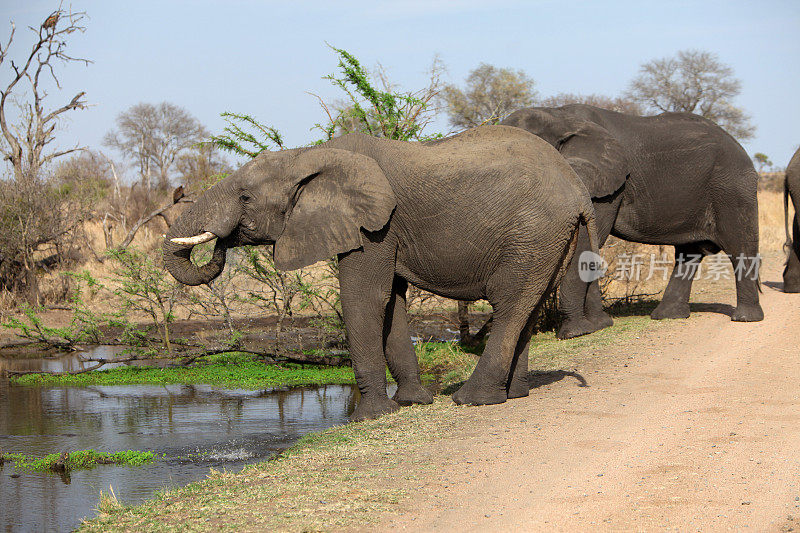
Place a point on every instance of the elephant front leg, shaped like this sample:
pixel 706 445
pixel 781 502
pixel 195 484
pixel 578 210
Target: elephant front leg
pixel 365 282
pixel 400 354
pixel 675 303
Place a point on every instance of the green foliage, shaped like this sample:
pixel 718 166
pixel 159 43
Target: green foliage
pixel 445 363
pixel 276 290
pixel 79 460
pixel 382 113
pixel 228 370
pixel 83 328
pixel 139 284
pixel 236 138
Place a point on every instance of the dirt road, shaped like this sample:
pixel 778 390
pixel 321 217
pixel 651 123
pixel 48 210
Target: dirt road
pixel 695 426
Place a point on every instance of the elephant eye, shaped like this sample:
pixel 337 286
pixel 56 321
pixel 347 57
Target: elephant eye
pixel 245 197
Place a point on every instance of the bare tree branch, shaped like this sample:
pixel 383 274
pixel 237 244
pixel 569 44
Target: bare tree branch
pixel 26 152
pixel 148 217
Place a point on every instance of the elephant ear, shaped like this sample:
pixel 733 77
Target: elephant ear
pixel 337 193
pixel 597 157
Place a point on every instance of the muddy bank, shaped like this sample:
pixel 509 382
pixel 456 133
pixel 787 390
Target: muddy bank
pixel 301 339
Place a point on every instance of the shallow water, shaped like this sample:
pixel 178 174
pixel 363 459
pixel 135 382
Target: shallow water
pixel 219 428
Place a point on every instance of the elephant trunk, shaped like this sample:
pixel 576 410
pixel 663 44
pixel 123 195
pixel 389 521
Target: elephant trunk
pixel 208 214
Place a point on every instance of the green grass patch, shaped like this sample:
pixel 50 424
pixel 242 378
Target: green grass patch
pixel 230 370
pixel 445 363
pixel 78 460
pixel 448 364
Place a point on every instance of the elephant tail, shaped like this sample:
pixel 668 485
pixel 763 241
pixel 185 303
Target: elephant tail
pixel 587 218
pixel 788 244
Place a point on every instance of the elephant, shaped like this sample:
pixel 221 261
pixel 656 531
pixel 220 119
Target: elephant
pixel 791 189
pixel 672 179
pixel 491 213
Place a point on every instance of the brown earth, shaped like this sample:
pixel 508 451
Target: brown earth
pixel 693 426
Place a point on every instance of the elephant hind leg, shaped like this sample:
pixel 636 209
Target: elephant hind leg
pixel 739 239
pixel 400 354
pixel 791 274
pixel 746 265
pixel 503 365
pixel 581 302
pixel 573 296
pixel 675 303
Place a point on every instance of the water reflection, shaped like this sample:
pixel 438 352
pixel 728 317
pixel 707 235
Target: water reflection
pixel 72 361
pixel 221 428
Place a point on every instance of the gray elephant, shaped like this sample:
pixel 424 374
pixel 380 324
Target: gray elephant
pixel 791 189
pixel 676 179
pixel 492 213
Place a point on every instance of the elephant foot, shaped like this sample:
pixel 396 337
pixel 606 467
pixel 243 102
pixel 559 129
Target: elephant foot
pixel 791 285
pixel 601 320
pixel 518 388
pixel 576 328
pixel 748 313
pixel 408 394
pixel 372 407
pixel 671 310
pixel 471 394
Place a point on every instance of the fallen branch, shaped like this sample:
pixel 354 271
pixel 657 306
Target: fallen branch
pixel 177 197
pixel 100 361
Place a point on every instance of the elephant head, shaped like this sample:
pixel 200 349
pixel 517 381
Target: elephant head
pixel 590 149
pixel 311 203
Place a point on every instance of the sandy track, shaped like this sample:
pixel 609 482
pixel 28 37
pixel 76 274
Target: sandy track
pixel 695 426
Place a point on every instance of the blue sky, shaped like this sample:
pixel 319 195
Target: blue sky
pixel 264 57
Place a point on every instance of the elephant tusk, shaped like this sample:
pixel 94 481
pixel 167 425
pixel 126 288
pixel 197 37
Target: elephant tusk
pixel 194 241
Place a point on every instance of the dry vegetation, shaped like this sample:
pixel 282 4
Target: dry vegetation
pixel 148 239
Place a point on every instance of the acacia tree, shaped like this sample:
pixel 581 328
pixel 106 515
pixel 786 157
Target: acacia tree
pixel 26 141
pixel 694 81
pixel 489 95
pixel 762 160
pixel 377 106
pixel 153 136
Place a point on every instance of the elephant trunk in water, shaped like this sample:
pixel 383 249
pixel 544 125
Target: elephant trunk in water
pixel 212 215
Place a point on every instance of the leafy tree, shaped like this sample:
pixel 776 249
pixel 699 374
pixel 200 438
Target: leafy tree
pixel 489 95
pixel 762 160
pixel 153 136
pixel 693 81
pixel 141 285
pixel 382 111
